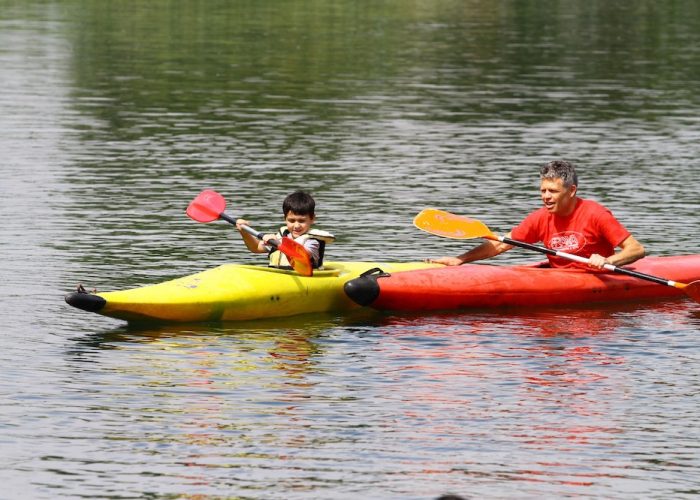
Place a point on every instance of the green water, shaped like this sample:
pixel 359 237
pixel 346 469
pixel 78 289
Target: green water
pixel 114 115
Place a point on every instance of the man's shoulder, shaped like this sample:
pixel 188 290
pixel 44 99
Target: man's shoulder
pixel 591 206
pixel 537 214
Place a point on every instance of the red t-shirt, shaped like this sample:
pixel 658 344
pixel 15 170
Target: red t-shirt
pixel 591 228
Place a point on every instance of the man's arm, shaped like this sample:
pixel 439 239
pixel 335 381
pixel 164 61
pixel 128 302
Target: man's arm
pixel 630 251
pixel 486 250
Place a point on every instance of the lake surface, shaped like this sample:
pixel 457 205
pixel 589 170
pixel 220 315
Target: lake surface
pixel 114 115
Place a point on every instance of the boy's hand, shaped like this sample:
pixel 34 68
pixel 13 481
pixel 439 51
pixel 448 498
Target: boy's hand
pixel 241 222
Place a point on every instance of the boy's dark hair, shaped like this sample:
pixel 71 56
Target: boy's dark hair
pixel 299 202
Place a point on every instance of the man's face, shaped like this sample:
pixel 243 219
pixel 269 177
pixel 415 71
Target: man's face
pixel 556 198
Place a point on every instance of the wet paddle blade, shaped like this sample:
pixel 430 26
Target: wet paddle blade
pixel 449 225
pixel 297 255
pixel 692 290
pixel 206 207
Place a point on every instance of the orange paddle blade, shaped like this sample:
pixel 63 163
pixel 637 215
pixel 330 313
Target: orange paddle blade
pixel 692 290
pixel 206 207
pixel 297 255
pixel 449 225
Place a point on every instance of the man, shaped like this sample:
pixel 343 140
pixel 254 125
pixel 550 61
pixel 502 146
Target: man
pixel 565 223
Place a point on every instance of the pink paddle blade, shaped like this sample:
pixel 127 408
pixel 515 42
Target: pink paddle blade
pixel 206 207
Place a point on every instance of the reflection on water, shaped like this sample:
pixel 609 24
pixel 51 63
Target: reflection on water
pixel 551 391
pixel 481 396
pixel 112 119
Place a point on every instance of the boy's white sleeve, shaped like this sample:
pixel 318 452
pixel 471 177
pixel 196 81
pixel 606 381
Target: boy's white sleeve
pixel 313 247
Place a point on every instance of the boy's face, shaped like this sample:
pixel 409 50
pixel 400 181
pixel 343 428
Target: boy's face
pixel 298 224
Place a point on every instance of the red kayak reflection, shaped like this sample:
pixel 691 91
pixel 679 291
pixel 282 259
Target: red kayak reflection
pixel 565 369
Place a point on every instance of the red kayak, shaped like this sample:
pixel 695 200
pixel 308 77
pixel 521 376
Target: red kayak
pixel 487 286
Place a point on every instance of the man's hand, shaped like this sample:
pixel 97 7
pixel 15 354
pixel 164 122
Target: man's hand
pixel 446 261
pixel 597 261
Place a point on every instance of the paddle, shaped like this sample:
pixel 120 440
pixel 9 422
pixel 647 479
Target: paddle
pixel 209 206
pixel 449 225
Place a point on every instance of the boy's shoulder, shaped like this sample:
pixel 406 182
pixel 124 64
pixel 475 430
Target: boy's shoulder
pixel 317 234
pixel 322 235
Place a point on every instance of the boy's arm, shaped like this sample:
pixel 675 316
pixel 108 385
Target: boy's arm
pixel 313 247
pixel 254 245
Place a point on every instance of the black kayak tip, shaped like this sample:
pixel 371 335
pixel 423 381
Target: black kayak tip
pixel 364 289
pixel 85 300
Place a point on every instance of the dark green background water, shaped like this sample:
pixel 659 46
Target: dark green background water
pixel 114 115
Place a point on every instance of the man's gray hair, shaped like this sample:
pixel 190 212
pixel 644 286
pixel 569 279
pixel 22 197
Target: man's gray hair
pixel 560 169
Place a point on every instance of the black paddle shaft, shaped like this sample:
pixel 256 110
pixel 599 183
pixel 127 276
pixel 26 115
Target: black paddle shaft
pixel 616 269
pixel 248 229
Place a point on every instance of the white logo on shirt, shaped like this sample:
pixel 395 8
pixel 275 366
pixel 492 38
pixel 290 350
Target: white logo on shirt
pixel 569 241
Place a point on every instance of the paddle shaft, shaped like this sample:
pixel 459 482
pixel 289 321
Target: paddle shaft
pixel 583 260
pixel 249 230
pixel 449 225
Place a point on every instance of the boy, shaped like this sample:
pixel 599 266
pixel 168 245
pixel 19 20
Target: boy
pixel 299 215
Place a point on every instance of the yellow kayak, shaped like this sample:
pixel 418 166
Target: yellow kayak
pixel 234 292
